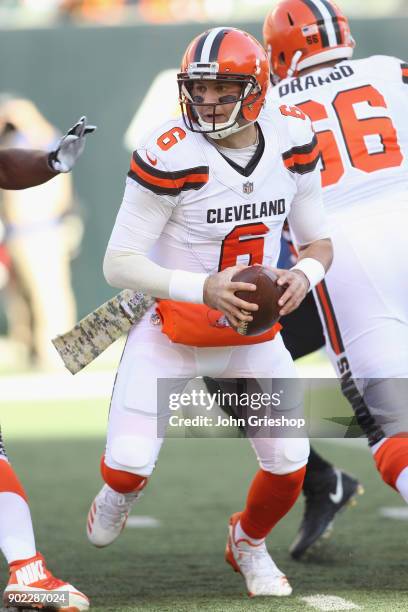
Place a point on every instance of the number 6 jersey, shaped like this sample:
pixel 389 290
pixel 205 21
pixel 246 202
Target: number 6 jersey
pixel 187 207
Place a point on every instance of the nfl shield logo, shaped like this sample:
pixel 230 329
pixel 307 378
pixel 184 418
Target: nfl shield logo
pixel 248 187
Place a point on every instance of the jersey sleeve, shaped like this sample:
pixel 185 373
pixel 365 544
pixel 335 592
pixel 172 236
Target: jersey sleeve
pixel 307 217
pixel 404 72
pixel 301 152
pixel 140 220
pixel 167 164
pixel 392 69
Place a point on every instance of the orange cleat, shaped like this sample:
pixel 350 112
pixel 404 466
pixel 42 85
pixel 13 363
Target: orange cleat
pixel 32 586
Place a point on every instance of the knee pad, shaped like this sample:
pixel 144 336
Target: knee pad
pixel 121 481
pixel 392 457
pixel 134 454
pixel 287 455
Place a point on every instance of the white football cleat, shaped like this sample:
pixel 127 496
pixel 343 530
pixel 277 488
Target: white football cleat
pixel 32 586
pixel 261 575
pixel 108 515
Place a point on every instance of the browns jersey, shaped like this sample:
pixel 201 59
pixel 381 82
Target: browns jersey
pixel 222 214
pixel 358 109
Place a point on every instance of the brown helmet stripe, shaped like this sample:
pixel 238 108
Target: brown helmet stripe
pixel 209 44
pixel 335 20
pixel 215 47
pixel 320 22
pixel 199 47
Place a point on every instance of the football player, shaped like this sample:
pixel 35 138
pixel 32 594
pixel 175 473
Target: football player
pixel 358 111
pixel 30 580
pixel 203 195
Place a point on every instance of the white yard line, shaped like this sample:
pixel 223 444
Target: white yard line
pixel 397 513
pixel 38 387
pixel 142 522
pixel 86 385
pixel 329 603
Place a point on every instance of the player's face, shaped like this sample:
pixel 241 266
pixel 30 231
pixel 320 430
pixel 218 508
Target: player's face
pixel 223 94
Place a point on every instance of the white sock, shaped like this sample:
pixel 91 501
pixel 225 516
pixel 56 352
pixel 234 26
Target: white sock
pixel 241 535
pixel 402 484
pixel 16 529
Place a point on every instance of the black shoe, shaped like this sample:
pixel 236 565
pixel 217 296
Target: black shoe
pixel 326 493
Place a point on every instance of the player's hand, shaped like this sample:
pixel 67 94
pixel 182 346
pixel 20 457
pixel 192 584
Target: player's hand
pixel 297 288
pixel 219 293
pixel 70 147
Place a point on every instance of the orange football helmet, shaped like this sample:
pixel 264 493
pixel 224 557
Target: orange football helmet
pixel 226 54
pixel 302 33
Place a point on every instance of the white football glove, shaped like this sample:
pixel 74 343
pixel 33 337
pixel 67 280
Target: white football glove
pixel 70 147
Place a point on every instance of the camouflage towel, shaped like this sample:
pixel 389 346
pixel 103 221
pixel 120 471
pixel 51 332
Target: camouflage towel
pixel 99 329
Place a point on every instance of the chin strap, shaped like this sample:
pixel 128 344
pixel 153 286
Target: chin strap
pixel 293 64
pixel 228 131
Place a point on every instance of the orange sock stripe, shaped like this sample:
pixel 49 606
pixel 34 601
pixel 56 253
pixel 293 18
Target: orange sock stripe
pixel 270 497
pixel 392 457
pixel 9 483
pixel 121 481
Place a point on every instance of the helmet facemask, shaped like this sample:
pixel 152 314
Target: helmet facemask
pixel 250 92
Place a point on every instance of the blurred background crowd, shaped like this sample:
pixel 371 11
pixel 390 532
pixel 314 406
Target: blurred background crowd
pixel 23 13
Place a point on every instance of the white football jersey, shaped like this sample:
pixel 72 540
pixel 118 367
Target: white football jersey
pixel 221 214
pixel 359 112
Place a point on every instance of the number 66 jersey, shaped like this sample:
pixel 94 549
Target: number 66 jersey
pixel 358 109
pixel 359 112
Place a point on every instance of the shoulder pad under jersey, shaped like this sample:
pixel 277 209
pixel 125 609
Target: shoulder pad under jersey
pixel 387 67
pixel 169 161
pixel 299 145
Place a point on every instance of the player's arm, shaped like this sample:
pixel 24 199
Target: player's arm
pixel 140 221
pixel 23 168
pixel 139 224
pixel 308 224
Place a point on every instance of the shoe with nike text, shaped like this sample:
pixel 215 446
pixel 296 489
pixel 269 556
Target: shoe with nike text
pixel 32 586
pixel 326 493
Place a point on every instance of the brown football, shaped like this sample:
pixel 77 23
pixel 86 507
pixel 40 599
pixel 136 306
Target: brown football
pixel 267 294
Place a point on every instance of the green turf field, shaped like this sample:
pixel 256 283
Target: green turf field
pixel 179 565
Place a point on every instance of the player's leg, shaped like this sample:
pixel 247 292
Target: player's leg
pixel 326 488
pixel 386 401
pixel 327 491
pixel 16 529
pixel 28 571
pixel 369 345
pixel 136 426
pixel 302 334
pixel 278 482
